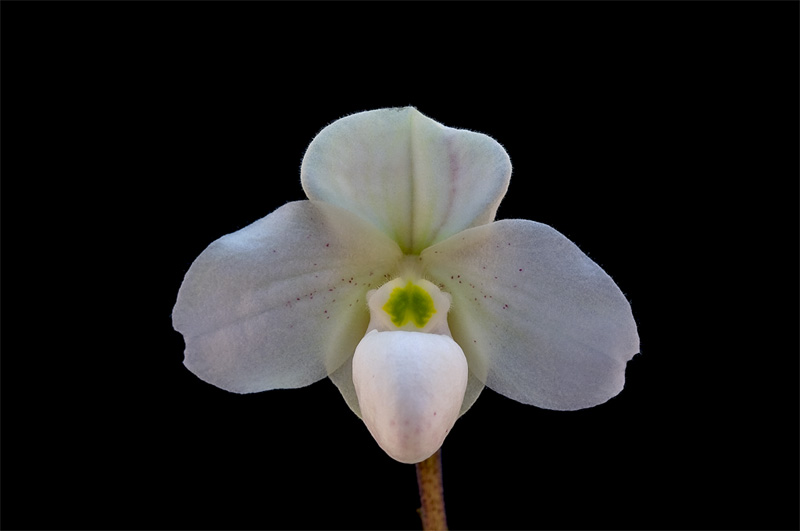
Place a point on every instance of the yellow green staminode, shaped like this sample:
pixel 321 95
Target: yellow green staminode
pixel 410 303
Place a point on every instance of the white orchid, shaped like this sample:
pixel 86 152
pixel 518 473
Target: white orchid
pixel 395 281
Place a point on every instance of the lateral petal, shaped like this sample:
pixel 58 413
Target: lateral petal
pixel 538 320
pixel 281 303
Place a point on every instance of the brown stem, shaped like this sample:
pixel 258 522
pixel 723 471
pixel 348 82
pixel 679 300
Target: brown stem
pixel 431 493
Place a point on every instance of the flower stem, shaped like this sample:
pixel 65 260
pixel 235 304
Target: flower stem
pixel 431 493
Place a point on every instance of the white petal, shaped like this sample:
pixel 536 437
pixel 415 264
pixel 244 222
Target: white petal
pixel 538 320
pixel 417 180
pixel 343 379
pixel 410 386
pixel 281 302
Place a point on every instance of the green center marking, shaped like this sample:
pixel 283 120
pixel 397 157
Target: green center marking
pixel 410 303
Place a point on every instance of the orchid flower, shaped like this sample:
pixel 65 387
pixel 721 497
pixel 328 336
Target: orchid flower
pixel 394 281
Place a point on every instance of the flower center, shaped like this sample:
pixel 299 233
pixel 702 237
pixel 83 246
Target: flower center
pixel 409 303
pixel 413 305
pixel 409 375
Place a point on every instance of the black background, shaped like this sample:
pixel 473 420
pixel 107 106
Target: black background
pixel 661 138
